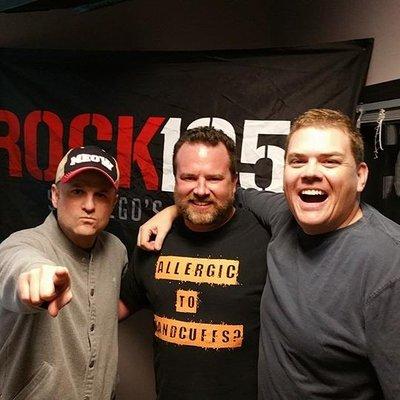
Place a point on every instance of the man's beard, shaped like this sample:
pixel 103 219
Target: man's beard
pixel 217 215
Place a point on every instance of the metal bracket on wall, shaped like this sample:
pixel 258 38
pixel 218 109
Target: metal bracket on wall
pixel 370 112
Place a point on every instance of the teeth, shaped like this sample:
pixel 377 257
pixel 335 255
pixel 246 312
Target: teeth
pixel 312 192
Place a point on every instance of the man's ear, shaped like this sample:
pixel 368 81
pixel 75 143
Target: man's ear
pixel 55 195
pixel 362 176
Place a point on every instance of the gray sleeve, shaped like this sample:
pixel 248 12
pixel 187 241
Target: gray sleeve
pixel 382 327
pixel 262 204
pixel 18 254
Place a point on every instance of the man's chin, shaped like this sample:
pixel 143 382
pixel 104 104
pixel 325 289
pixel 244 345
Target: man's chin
pixel 212 218
pixel 200 218
pixel 86 231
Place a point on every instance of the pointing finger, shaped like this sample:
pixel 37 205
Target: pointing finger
pixel 59 302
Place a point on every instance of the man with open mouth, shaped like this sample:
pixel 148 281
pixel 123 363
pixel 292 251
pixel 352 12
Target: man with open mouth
pixel 329 311
pixel 330 306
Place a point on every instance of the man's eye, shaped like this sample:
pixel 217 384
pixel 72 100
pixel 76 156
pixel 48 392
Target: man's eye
pixel 296 162
pixel 331 163
pixel 76 191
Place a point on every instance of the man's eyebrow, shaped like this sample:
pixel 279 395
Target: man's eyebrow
pixel 187 173
pixel 214 176
pixel 332 154
pixel 295 155
pixel 327 154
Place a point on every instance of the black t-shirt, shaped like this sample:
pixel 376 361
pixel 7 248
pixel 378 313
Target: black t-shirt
pixel 204 290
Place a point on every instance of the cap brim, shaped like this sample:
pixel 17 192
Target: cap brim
pixel 68 176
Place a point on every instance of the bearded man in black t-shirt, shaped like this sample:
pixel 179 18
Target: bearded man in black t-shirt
pixel 205 284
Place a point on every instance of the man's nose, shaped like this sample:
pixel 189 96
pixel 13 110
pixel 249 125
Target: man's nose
pixel 312 170
pixel 88 203
pixel 201 188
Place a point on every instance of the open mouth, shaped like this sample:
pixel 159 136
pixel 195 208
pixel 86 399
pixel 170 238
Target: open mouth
pixel 201 203
pixel 313 196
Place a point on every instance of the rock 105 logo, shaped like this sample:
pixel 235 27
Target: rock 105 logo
pixel 259 144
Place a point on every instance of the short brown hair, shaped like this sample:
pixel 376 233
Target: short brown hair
pixel 210 137
pixel 325 118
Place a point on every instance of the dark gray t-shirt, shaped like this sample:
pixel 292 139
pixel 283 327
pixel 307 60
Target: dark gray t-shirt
pixel 330 315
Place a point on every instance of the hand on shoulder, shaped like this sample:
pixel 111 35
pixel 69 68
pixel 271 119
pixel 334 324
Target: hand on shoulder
pixel 153 232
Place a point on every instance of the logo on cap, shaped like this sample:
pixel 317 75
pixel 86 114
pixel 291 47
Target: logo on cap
pixel 84 158
pixel 80 159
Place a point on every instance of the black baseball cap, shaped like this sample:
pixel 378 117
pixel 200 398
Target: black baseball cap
pixel 85 158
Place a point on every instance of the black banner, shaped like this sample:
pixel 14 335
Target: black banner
pixel 135 105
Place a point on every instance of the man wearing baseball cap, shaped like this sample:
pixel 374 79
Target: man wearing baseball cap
pixel 66 259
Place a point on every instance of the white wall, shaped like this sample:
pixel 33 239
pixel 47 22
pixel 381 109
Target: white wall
pixel 304 22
